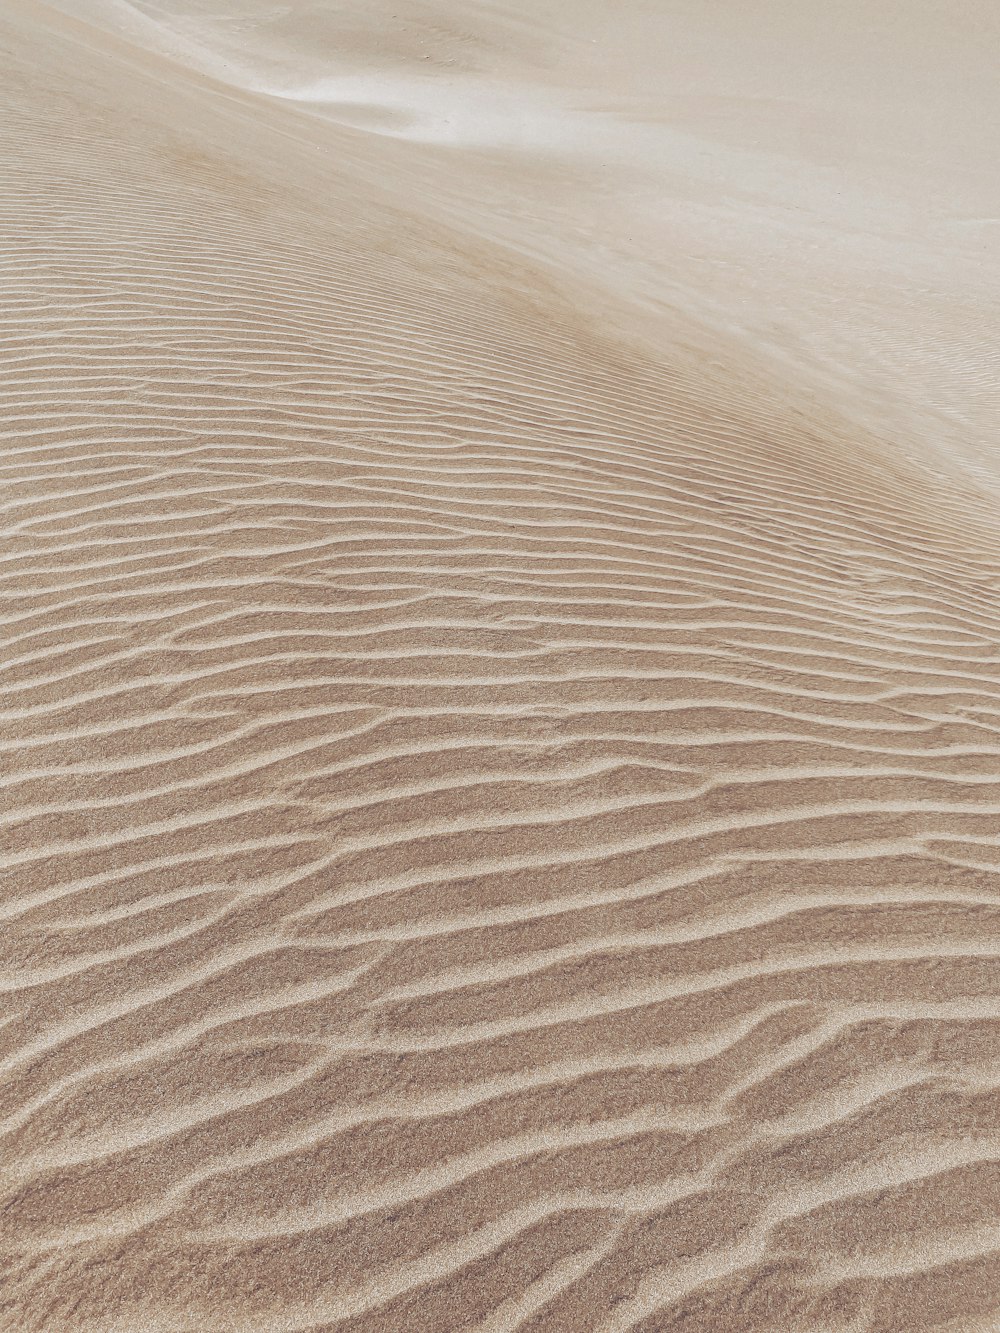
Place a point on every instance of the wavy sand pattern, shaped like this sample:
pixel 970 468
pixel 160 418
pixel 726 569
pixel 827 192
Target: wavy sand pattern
pixel 499 776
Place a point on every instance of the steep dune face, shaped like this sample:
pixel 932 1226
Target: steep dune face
pixel 819 180
pixel 500 805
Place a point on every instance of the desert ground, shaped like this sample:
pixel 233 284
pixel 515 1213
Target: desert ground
pixel 499 666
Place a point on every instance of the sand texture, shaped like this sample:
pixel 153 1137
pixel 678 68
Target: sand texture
pixel 499 667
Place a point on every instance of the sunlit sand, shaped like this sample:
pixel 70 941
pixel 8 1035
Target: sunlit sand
pixel 500 603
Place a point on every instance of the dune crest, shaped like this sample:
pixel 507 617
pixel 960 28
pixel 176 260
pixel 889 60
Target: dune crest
pixel 499 758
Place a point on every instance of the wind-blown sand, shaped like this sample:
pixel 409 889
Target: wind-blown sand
pixel 500 603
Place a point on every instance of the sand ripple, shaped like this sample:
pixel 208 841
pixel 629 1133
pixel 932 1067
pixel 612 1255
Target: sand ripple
pixel 500 830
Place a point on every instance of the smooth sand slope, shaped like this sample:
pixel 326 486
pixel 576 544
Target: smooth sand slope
pixel 499 768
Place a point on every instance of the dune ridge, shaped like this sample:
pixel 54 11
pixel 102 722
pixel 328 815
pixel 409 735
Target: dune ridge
pixel 500 808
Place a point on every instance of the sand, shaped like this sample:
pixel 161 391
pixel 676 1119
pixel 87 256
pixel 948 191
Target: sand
pixel 499 621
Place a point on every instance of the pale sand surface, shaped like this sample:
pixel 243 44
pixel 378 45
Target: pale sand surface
pixel 500 605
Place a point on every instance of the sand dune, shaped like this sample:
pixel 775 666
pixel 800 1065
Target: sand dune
pixel 501 709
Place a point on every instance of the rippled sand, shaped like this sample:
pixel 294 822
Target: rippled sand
pixel 500 608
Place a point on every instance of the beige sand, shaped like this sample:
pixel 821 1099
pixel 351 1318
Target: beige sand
pixel 501 690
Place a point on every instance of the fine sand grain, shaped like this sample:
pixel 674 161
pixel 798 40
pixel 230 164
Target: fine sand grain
pixel 500 668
